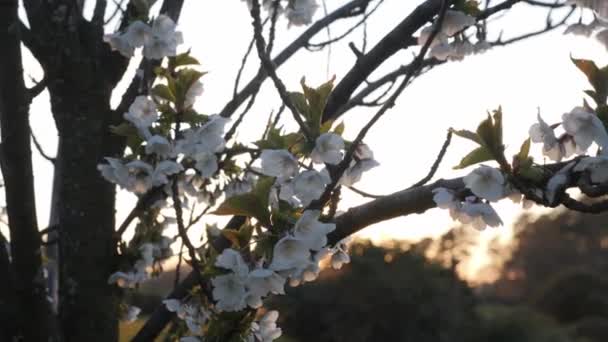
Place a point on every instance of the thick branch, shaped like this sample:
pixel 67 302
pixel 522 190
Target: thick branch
pixel 16 164
pixel 400 37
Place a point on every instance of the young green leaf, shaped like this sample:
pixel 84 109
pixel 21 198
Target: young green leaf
pixel 478 155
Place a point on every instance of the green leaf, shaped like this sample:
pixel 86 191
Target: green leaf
pixel 299 101
pixel 326 126
pixel 339 129
pixel 498 126
pixel 598 78
pixel 183 59
pixel 316 99
pixel 183 82
pixel 524 150
pixel 233 236
pixel 244 205
pixel 476 156
pixel 162 91
pixel 602 113
pixel 245 234
pixel 276 141
pixel 463 133
pixel 253 204
pixel 490 134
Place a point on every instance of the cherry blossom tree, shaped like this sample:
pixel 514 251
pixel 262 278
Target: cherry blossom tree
pixel 282 192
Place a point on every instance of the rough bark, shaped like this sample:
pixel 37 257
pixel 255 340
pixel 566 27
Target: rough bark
pixel 87 305
pixel 16 163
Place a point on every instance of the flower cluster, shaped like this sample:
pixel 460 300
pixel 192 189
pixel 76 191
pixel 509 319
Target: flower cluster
pixel 159 40
pixel 301 188
pixel 599 25
pixel 581 127
pixel 450 43
pixel 192 313
pixel 297 12
pixel 295 257
pixel 144 266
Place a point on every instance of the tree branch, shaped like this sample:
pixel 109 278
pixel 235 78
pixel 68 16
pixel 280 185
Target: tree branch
pixel 353 8
pixel 271 70
pixel 399 38
pixel 16 165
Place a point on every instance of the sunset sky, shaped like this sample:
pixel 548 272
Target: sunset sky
pixel 522 77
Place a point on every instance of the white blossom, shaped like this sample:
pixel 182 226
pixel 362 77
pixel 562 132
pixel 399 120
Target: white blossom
pixel 260 282
pixel 289 253
pixel 142 112
pixel 120 43
pixel 354 173
pixel 163 39
pixel 229 292
pixel 193 92
pixel 206 163
pixel 486 182
pixel 127 279
pixel 425 35
pixel 456 21
pixel 266 329
pixel 301 12
pixel 363 152
pixel 597 168
pixel 208 138
pixel 579 29
pixel 338 259
pixel 131 315
pixel 600 7
pixel 441 51
pixel 232 260
pixel 139 180
pixel 159 145
pixel 445 199
pixel 328 149
pixel 311 231
pixel 163 170
pixel 309 185
pixel 586 128
pixel 115 171
pixel 240 186
pixel 278 163
pixel 541 132
pixel 602 37
pixel 137 34
pixel 557 182
pixel 482 46
pixel 480 214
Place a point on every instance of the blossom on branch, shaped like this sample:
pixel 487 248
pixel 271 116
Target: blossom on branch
pixel 328 149
pixel 486 182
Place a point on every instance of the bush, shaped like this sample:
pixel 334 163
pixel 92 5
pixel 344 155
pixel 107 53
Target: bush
pixel 383 295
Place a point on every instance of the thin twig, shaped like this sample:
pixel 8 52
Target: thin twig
pixel 270 68
pixel 39 148
pixel 437 162
pixel 364 193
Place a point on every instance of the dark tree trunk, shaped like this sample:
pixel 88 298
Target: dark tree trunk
pixel 16 163
pixel 8 305
pixel 88 305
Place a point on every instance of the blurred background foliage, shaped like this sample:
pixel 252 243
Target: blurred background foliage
pixel 550 285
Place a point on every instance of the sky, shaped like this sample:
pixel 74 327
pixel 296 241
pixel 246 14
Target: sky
pixel 525 77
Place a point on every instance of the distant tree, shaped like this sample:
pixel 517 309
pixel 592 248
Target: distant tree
pixel 384 294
